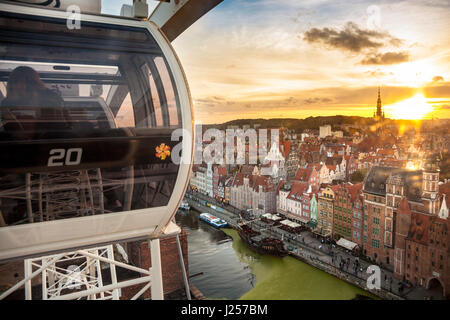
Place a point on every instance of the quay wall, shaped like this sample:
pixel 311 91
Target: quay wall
pixel 304 256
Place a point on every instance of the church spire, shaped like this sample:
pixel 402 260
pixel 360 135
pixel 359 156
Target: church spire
pixel 379 115
pixel 379 112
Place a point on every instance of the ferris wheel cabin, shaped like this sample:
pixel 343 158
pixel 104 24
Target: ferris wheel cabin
pixel 87 123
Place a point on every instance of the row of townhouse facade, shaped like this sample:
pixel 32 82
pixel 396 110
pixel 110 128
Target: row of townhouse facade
pixel 398 218
pixel 298 201
pixel 209 180
pixel 257 192
pixel 406 225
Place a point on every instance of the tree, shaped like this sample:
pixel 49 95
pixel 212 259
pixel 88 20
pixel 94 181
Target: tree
pixel 358 176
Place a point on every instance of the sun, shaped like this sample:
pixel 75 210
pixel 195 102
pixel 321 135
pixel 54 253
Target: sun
pixel 414 108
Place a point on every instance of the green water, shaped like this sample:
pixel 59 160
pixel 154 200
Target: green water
pixel 290 279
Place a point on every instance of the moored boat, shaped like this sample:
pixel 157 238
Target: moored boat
pixel 185 205
pixel 261 244
pixel 212 220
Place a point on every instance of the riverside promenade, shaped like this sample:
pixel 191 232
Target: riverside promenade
pixel 305 247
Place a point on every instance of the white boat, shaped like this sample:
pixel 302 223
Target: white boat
pixel 185 205
pixel 212 220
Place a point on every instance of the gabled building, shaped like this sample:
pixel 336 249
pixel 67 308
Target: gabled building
pixel 345 199
pixel 351 166
pixel 326 209
pixel 294 202
pixel 384 189
pixel 422 248
pixel 357 219
pixel 444 196
pixel 283 190
pixel 309 176
pixel 253 192
pixel 198 178
pixel 291 154
pixel 218 173
pixel 313 210
pixel 209 181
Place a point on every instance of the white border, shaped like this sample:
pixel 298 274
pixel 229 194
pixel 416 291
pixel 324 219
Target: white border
pixel 38 238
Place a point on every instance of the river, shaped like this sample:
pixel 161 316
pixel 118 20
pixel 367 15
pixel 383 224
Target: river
pixel 232 271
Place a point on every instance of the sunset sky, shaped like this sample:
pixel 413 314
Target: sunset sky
pixel 285 58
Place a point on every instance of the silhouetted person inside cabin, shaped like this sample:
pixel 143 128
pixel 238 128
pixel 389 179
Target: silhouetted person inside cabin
pixel 25 90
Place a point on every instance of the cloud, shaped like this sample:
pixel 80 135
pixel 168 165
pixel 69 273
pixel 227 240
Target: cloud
pixel 375 73
pixel 386 58
pixel 213 101
pixel 316 100
pixel 438 78
pixel 351 38
pixel 438 90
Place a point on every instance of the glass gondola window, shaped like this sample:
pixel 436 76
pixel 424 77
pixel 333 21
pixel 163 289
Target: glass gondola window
pixel 170 93
pixel 83 110
pixel 125 115
pixel 155 98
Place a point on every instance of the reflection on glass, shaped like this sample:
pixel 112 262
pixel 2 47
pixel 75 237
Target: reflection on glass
pixel 80 123
pixel 170 94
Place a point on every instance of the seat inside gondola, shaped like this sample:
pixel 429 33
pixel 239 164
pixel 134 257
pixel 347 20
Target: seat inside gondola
pixel 95 137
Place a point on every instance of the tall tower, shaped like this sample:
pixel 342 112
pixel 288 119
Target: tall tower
pixel 379 115
pixel 430 188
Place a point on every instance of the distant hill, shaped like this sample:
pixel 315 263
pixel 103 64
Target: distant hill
pixel 296 124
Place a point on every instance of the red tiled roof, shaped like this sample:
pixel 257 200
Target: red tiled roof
pixel 297 189
pixel 420 225
pixel 286 148
pixel 303 174
pixel 335 187
pixel 354 190
pixel 254 181
pixel 445 189
pixel 403 206
pixel 314 165
pixel 239 179
pixel 280 185
pixel 247 169
pixel 265 182
pixel 222 171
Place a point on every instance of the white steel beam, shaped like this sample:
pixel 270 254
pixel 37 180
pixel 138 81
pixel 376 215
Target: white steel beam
pixel 112 269
pixel 177 15
pixel 94 291
pixel 27 272
pixel 156 270
pixel 29 277
pixel 87 273
pixel 117 263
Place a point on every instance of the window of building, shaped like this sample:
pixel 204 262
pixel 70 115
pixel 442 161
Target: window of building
pixel 375 243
